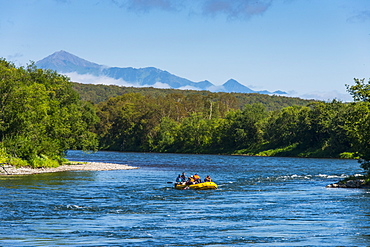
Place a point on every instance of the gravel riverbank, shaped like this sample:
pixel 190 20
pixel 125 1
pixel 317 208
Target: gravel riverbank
pixel 90 166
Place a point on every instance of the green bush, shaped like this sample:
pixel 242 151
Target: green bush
pixel 43 161
pixel 17 162
pixel 4 157
pixel 348 155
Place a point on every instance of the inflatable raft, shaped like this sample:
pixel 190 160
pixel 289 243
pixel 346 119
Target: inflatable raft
pixel 200 186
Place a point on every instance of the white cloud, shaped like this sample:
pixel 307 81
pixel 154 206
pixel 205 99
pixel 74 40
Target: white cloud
pixel 215 88
pixel 105 80
pixel 158 85
pixel 324 95
pixel 91 79
pixel 190 88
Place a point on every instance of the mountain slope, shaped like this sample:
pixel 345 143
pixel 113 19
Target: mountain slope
pixel 64 62
pixel 232 86
pixel 147 76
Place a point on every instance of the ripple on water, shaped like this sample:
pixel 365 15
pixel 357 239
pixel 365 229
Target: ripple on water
pixel 260 201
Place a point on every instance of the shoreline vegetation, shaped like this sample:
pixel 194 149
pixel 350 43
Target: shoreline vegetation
pixel 43 115
pixel 75 166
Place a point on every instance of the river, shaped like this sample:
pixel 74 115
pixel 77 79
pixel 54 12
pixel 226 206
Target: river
pixel 261 201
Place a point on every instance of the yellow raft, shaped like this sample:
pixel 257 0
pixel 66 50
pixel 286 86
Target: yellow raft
pixel 200 186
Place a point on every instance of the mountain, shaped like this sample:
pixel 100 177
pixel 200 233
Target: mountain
pixel 66 63
pixel 150 76
pixel 232 86
pixel 279 92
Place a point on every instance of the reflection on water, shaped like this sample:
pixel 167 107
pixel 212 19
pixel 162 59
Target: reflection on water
pixel 53 181
pixel 260 201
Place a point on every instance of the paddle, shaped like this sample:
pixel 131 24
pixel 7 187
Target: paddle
pixel 2 165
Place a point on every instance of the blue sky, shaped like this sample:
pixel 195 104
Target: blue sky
pixel 309 48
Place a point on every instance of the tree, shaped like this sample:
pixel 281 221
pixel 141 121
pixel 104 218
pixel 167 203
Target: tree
pixel 195 135
pixel 360 91
pixel 242 128
pixel 127 122
pixel 283 126
pixel 166 134
pixel 359 126
pixel 41 115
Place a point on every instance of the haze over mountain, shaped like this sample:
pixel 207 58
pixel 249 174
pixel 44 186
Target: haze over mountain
pixel 83 71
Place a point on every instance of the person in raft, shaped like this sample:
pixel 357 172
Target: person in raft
pixel 183 176
pixel 190 181
pixel 197 178
pixel 208 179
pixel 179 179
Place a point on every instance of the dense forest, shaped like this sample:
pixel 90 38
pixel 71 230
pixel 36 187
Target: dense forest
pixel 100 93
pixel 42 116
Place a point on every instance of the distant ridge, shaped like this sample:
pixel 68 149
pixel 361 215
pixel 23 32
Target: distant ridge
pixel 65 63
pixel 232 86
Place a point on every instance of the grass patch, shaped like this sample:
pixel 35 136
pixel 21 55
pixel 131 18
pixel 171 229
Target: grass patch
pixel 348 155
pixel 69 163
pixel 265 150
pixel 284 151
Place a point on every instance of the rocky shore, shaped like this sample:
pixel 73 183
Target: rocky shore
pixel 352 182
pixel 83 166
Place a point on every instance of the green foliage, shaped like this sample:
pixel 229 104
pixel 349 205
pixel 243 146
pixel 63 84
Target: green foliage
pixel 41 115
pixel 348 155
pixel 4 157
pixel 278 151
pixel 201 124
pixel 43 161
pixel 165 136
pixel 283 126
pixel 359 119
pixel 242 128
pixel 18 162
pixel 254 124
pixel 358 128
pixel 195 135
pixel 126 122
pixel 360 91
pixel 228 101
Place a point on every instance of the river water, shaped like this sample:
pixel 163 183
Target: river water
pixel 261 201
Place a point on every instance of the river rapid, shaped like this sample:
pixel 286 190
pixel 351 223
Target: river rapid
pixel 261 201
